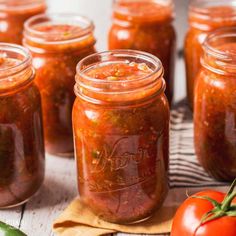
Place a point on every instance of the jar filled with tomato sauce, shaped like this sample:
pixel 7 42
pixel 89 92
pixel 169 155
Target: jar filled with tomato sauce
pixel 21 136
pixel 146 25
pixel 13 14
pixel 121 132
pixel 204 17
pixel 215 106
pixel 58 43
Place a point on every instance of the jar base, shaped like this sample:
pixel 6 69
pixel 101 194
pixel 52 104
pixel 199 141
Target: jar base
pixel 129 223
pixel 222 178
pixel 63 155
pixel 15 205
pixel 22 202
pixel 139 221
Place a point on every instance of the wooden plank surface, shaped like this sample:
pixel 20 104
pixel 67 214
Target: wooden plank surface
pixel 12 217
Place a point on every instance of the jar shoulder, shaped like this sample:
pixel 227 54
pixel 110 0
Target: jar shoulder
pixel 195 38
pixel 219 91
pixel 20 103
pixel 131 118
pixel 168 29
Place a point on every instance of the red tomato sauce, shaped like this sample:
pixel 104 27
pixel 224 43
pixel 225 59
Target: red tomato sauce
pixel 215 114
pixel 6 63
pixel 120 71
pixel 21 137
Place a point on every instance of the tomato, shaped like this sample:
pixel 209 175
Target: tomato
pixel 207 213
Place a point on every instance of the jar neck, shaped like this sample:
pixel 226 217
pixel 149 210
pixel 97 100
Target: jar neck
pixel 207 15
pixel 143 12
pixel 22 6
pixel 119 92
pixel 15 68
pixel 58 33
pixel 220 52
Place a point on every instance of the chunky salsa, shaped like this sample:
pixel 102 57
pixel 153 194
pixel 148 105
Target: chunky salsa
pixel 203 19
pixel 146 26
pixel 21 137
pixel 121 150
pixel 13 14
pixel 120 71
pixel 56 49
pixel 215 112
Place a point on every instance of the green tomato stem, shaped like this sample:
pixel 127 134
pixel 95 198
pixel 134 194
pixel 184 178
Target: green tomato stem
pixel 224 208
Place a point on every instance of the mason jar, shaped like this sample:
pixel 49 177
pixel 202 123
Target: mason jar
pixel 204 17
pixel 21 130
pixel 121 134
pixel 58 42
pixel 13 14
pixel 215 106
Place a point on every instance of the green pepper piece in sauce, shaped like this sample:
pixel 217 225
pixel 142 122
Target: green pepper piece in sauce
pixel 8 230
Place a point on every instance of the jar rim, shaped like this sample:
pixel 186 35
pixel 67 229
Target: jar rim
pixel 99 91
pixel 201 6
pixel 162 2
pixel 125 11
pixel 224 61
pixel 21 5
pixel 202 9
pixel 84 24
pixel 18 51
pixel 123 53
pixel 222 33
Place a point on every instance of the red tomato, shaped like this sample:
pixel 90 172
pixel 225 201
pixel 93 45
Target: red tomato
pixel 187 221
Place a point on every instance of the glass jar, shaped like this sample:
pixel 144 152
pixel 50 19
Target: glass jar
pixel 21 136
pixel 204 17
pixel 58 43
pixel 145 25
pixel 13 14
pixel 215 106
pixel 121 134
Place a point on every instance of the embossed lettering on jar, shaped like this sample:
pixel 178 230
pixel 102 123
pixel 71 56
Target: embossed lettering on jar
pixel 21 136
pixel 13 14
pixel 58 43
pixel 146 25
pixel 215 106
pixel 121 131
pixel 204 17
